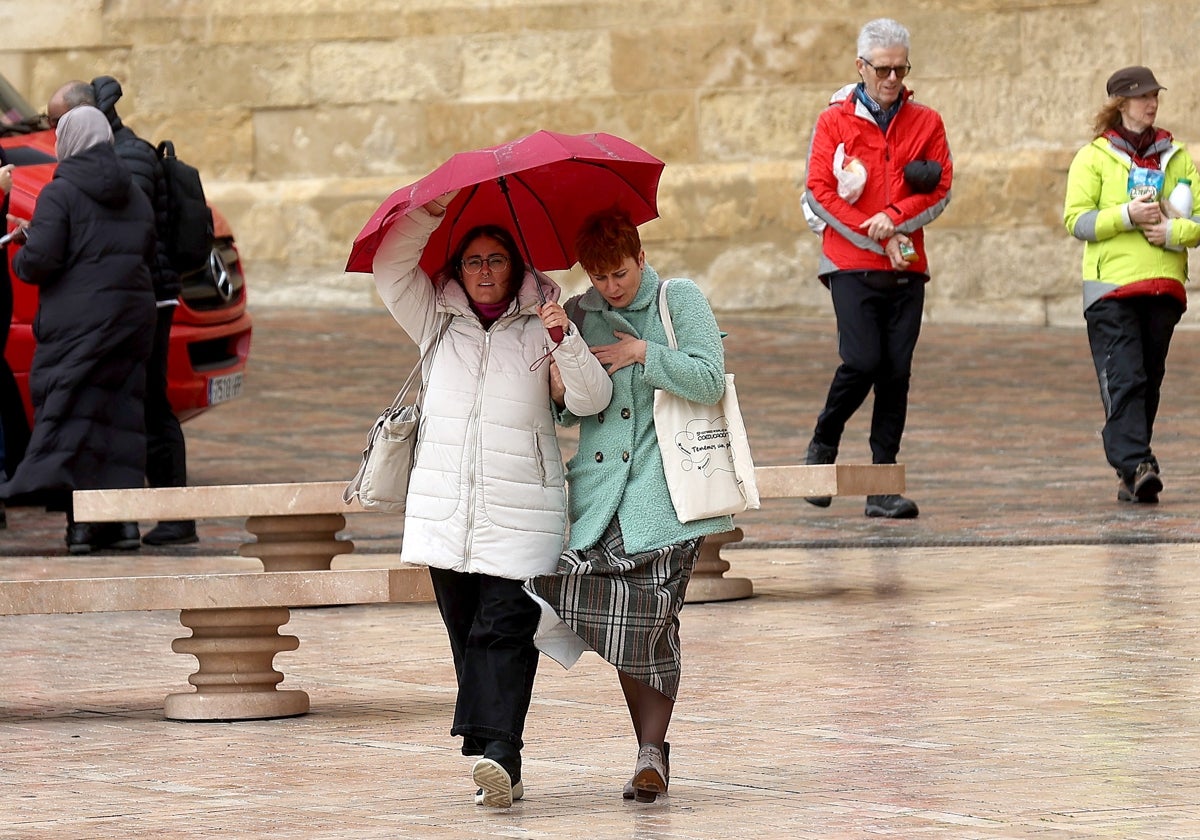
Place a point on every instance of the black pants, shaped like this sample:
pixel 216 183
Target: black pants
pixel 491 622
pixel 878 321
pixel 1130 338
pixel 14 427
pixel 166 456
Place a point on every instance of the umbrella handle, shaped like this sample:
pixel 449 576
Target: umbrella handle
pixel 556 333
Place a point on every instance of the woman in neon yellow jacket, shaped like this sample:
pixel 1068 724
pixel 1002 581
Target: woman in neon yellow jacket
pixel 1134 266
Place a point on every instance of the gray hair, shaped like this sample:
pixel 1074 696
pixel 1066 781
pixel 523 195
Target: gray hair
pixel 80 129
pixel 78 93
pixel 881 34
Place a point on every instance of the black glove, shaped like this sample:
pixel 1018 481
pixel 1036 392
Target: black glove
pixel 923 176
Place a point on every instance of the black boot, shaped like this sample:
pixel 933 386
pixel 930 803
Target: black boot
pixel 122 536
pixel 172 532
pixel 81 537
pixel 819 453
pixel 891 506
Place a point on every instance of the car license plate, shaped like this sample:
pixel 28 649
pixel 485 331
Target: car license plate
pixel 224 388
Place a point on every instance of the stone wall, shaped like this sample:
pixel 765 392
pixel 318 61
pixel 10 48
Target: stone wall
pixel 304 114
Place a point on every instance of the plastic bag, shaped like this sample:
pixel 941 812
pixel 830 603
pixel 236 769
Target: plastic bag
pixel 1145 183
pixel 851 175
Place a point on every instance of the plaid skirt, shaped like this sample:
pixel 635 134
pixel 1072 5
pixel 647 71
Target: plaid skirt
pixel 625 606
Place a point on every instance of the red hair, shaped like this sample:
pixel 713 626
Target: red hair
pixel 606 238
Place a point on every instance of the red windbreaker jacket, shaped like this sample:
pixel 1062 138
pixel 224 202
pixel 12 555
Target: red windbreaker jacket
pixel 915 133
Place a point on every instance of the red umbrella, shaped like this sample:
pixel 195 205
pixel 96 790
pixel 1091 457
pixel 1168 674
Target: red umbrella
pixel 546 182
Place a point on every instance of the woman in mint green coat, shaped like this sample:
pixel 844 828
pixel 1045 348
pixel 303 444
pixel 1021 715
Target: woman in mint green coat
pixel 621 583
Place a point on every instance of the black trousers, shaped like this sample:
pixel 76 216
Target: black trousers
pixel 166 455
pixel 1130 338
pixel 491 622
pixel 878 321
pixel 14 427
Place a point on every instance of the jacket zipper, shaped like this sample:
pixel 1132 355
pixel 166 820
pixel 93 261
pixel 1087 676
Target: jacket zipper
pixel 475 447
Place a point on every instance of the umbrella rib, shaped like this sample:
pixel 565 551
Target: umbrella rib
pixel 462 208
pixel 545 210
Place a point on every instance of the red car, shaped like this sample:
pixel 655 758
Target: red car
pixel 210 335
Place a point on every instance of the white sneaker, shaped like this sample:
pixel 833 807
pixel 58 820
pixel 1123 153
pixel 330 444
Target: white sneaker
pixel 496 789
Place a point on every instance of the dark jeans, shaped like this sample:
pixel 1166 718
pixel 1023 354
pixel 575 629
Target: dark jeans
pixel 166 456
pixel 491 622
pixel 878 321
pixel 1130 338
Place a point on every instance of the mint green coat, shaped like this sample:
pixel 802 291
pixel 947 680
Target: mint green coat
pixel 618 468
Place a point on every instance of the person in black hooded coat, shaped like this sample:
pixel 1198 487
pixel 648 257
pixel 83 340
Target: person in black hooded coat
pixel 166 450
pixel 14 429
pixel 87 249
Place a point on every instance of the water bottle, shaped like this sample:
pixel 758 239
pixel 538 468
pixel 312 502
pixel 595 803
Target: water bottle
pixel 1181 202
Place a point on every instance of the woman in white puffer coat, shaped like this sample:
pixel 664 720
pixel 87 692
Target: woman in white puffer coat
pixel 487 499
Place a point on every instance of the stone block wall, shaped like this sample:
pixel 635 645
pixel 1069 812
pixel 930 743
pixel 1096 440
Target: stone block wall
pixel 304 114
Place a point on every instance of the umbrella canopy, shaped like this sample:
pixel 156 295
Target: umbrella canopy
pixel 550 182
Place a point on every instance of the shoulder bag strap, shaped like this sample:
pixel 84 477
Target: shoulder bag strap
pixel 417 368
pixel 664 312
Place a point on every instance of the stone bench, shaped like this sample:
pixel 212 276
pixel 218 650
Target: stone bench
pixel 787 482
pixel 296 525
pixel 234 619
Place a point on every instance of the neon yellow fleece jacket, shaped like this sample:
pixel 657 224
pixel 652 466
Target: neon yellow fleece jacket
pixel 1096 210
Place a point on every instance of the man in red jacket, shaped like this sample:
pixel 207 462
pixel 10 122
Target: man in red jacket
pixel 873 244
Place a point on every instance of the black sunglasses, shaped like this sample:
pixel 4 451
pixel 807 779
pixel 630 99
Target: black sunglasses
pixel 883 72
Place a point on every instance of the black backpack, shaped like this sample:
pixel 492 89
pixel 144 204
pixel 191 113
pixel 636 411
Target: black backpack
pixel 189 233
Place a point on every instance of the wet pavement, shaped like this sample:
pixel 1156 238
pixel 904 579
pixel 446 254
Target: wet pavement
pixel 1020 661
pixel 1002 445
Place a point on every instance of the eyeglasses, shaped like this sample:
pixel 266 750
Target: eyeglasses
pixel 883 72
pixel 495 263
pixel 48 120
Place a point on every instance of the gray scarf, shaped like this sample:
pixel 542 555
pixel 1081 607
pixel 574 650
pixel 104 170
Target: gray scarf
pixel 81 128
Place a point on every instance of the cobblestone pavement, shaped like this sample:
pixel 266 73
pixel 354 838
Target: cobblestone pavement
pixel 1020 661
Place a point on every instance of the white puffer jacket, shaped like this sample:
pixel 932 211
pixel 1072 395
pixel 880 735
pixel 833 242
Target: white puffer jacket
pixel 487 493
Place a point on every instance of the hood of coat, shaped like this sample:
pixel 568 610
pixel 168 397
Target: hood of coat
pixel 107 91
pixel 99 173
pixel 452 297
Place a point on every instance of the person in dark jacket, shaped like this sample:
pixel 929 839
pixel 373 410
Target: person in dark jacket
pixel 87 249
pixel 13 429
pixel 166 454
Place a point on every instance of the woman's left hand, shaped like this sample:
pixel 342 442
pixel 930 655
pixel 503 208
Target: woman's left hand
pixel 627 351
pixel 553 315
pixel 558 390
pixel 1157 234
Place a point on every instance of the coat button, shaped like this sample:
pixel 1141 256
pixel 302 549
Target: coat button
pixel 624 413
pixel 624 456
pixel 600 417
pixel 599 457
